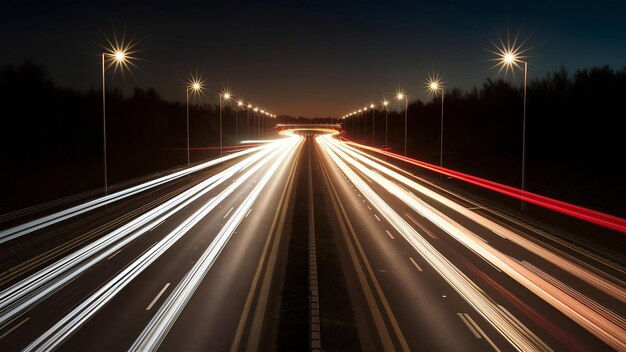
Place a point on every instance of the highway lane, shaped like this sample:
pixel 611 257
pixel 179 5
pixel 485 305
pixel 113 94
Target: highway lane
pixel 25 254
pixel 114 262
pixel 609 294
pixel 413 308
pixel 193 267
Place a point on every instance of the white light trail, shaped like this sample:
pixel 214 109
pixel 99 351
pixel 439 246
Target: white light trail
pixel 466 288
pixel 38 224
pixel 164 319
pixel 603 323
pixel 83 312
pixel 38 286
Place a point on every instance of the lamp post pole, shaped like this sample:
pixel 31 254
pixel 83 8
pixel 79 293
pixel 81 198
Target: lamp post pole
pixel 221 125
pixel 187 96
pixel 441 137
pixel 524 139
pixel 406 111
pixel 104 127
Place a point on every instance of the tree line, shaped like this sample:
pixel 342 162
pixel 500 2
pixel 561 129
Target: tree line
pixel 51 137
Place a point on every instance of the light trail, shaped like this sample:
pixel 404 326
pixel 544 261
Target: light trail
pixel 38 224
pixel 156 331
pixel 570 266
pixel 603 323
pixel 467 289
pixel 35 288
pixel 52 338
pixel 589 215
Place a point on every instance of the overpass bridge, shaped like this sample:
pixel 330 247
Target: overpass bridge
pixel 310 126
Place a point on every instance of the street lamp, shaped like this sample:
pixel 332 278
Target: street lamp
pixel 358 123
pixel 248 121
pixel 120 56
pixel 256 113
pixel 403 96
pixel 225 96
pixel 373 124
pixel 385 103
pixel 434 86
pixel 239 105
pixel 195 85
pixel 509 58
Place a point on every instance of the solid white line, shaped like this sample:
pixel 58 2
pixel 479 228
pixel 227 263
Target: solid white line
pixel 390 235
pixel 416 265
pixel 248 213
pixel 376 216
pixel 231 209
pixel 158 296
pixel 469 325
pixel 114 254
pixel 13 328
pixel 481 332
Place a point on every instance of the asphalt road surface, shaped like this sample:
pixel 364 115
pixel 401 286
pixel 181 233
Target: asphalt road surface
pixel 192 261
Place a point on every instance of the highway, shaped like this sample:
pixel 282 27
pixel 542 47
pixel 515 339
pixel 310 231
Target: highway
pixel 193 261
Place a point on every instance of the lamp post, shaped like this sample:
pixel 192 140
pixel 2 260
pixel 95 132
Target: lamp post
pixel 224 96
pixel 119 56
pixel 401 96
pixel 372 106
pixel 434 85
pixel 239 105
pixel 195 86
pixel 358 121
pixel 365 123
pixel 510 58
pixel 248 121
pixel 385 103
pixel 256 113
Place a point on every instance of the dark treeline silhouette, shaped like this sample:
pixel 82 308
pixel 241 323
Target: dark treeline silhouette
pixel 51 137
pixel 576 136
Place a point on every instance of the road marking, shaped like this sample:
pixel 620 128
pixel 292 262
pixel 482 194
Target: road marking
pixel 15 327
pixel 157 225
pixel 231 209
pixel 474 208
pixel 376 216
pixel 498 234
pixel 481 332
pixel 158 296
pixel 416 265
pixel 469 325
pixel 114 254
pixel 421 227
pixel 484 240
pixel 390 235
pixel 368 207
pixel 248 213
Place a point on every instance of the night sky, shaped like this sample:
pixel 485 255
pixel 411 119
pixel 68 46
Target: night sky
pixel 317 58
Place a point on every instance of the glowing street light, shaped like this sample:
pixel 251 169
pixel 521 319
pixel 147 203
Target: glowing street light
pixel 434 86
pixel 510 57
pixel 119 55
pixel 402 96
pixel 195 86
pixel 225 95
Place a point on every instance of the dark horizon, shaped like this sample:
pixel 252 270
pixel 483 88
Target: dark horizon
pixel 338 55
